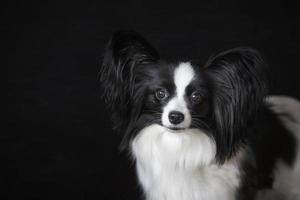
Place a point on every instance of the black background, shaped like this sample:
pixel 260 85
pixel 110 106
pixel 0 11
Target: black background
pixel 56 141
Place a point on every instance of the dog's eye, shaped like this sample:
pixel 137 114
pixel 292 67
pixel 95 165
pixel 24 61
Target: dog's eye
pixel 161 94
pixel 196 97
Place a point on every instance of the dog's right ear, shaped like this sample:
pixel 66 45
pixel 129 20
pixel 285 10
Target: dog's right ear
pixel 125 52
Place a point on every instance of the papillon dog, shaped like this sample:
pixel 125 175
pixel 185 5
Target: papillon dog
pixel 201 131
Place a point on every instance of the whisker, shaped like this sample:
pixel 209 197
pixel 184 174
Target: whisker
pixel 201 123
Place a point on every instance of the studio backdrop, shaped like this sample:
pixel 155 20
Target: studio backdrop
pixel 57 141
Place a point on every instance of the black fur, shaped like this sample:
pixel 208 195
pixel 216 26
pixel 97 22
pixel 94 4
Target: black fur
pixel 267 141
pixel 124 52
pixel 233 85
pixel 240 85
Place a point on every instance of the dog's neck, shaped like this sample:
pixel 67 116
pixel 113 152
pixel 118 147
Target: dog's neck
pixel 180 166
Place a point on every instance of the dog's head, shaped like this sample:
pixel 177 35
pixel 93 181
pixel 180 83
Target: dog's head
pixel 221 97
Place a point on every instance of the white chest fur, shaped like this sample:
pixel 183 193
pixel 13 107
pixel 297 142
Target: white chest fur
pixel 180 166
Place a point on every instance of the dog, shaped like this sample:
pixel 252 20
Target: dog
pixel 201 132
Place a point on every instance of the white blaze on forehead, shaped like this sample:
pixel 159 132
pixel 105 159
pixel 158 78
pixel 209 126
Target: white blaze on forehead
pixel 183 76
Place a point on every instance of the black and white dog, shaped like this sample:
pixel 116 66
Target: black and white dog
pixel 202 132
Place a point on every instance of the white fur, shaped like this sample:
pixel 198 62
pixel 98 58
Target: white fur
pixel 287 179
pixel 183 75
pixel 180 166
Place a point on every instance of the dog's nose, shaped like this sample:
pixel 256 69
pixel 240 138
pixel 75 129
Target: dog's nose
pixel 176 117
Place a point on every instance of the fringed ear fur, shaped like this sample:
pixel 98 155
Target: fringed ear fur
pixel 125 51
pixel 240 85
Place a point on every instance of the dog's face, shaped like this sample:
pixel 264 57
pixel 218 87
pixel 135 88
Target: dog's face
pixel 220 97
pixel 176 96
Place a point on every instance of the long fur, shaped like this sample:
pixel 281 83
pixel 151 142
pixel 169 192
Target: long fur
pixel 117 76
pixel 197 132
pixel 240 86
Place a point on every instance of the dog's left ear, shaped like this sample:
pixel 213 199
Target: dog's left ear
pixel 240 85
pixel 125 52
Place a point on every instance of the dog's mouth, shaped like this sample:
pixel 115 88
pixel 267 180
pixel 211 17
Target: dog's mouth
pixel 176 129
